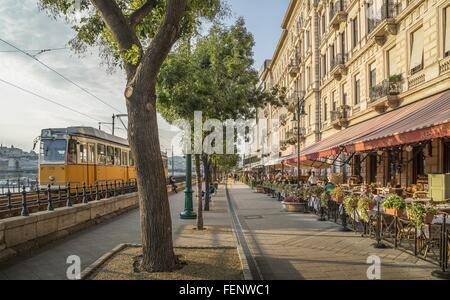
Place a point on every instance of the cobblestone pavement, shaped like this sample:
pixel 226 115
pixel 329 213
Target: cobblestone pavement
pixel 49 262
pixel 297 246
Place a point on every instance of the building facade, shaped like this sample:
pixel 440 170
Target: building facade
pixel 350 62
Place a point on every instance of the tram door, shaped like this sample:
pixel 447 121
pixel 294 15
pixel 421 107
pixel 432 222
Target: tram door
pixel 92 165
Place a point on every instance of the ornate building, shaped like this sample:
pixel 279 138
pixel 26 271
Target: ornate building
pixel 363 70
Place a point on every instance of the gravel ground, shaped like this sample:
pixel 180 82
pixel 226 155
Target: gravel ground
pixel 201 264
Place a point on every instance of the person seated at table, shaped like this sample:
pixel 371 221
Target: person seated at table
pixel 312 180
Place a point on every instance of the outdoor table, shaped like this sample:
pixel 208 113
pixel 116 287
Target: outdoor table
pixel 417 200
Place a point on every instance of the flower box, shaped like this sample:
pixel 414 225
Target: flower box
pixel 394 212
pixel 429 218
pixel 294 206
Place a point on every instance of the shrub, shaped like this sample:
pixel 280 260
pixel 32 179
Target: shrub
pixel 293 199
pixel 363 206
pixel 350 204
pixel 395 202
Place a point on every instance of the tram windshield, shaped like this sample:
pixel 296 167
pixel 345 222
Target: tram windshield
pixel 53 151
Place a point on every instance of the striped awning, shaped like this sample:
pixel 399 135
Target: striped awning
pixel 419 121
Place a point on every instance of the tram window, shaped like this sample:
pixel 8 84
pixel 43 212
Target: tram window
pixel 109 155
pixel 72 152
pixel 83 154
pixel 101 154
pixel 53 151
pixel 91 154
pixel 117 156
pixel 124 158
pixel 131 159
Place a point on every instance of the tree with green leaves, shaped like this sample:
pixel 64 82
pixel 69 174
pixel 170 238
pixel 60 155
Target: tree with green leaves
pixel 213 74
pixel 137 36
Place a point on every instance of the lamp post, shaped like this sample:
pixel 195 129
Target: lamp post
pixel 188 212
pixel 298 120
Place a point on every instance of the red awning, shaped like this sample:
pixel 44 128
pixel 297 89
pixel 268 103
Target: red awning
pixel 422 120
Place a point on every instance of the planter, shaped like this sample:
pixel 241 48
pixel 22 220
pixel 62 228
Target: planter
pixel 337 200
pixel 394 212
pixel 294 206
pixel 259 189
pixel 429 218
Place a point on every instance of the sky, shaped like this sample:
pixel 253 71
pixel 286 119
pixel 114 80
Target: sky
pixel 24 115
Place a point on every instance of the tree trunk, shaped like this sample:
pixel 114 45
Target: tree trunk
pixel 207 167
pixel 156 222
pixel 199 193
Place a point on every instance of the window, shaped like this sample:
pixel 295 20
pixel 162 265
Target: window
pixel 355 36
pixel 91 154
pixel 324 65
pixel 72 152
pixel 392 66
pixel 323 24
pixel 83 154
pixel 109 155
pixel 309 115
pixel 357 96
pixel 416 51
pixel 131 159
pixel 53 151
pixel 101 154
pixel 124 158
pixel 372 76
pixel 333 101
pixel 325 110
pixel 447 32
pixel 117 156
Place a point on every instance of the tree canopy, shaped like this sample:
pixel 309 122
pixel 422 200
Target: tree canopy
pixel 139 21
pixel 215 75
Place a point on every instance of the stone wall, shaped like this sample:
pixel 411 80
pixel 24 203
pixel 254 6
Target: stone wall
pixel 20 234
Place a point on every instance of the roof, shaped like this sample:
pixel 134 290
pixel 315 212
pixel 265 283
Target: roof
pixel 421 120
pixel 89 132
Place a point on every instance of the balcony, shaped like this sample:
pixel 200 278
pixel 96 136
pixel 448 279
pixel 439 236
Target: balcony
pixel 339 117
pixel 338 14
pixel 338 68
pixel 386 94
pixel 283 119
pixel 291 136
pixel 294 67
pixel 382 23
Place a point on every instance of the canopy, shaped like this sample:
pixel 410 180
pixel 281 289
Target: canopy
pixel 421 120
pixel 316 164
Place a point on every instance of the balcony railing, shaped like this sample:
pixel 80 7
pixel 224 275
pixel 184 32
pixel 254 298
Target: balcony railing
pixel 339 117
pixel 389 9
pixel 385 88
pixel 339 59
pixel 293 67
pixel 338 7
pixel 338 13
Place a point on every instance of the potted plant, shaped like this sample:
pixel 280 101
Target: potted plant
pixel 365 204
pixel 394 205
pixel 324 198
pixel 430 212
pixel 416 213
pixel 337 194
pixel 294 204
pixel 350 204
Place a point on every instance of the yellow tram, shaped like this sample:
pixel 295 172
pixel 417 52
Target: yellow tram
pixel 84 155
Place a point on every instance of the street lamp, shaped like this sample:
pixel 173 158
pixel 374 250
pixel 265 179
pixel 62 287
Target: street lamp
pixel 299 120
pixel 188 212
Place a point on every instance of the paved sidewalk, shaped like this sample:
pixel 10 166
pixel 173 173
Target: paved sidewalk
pixel 49 262
pixel 297 246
